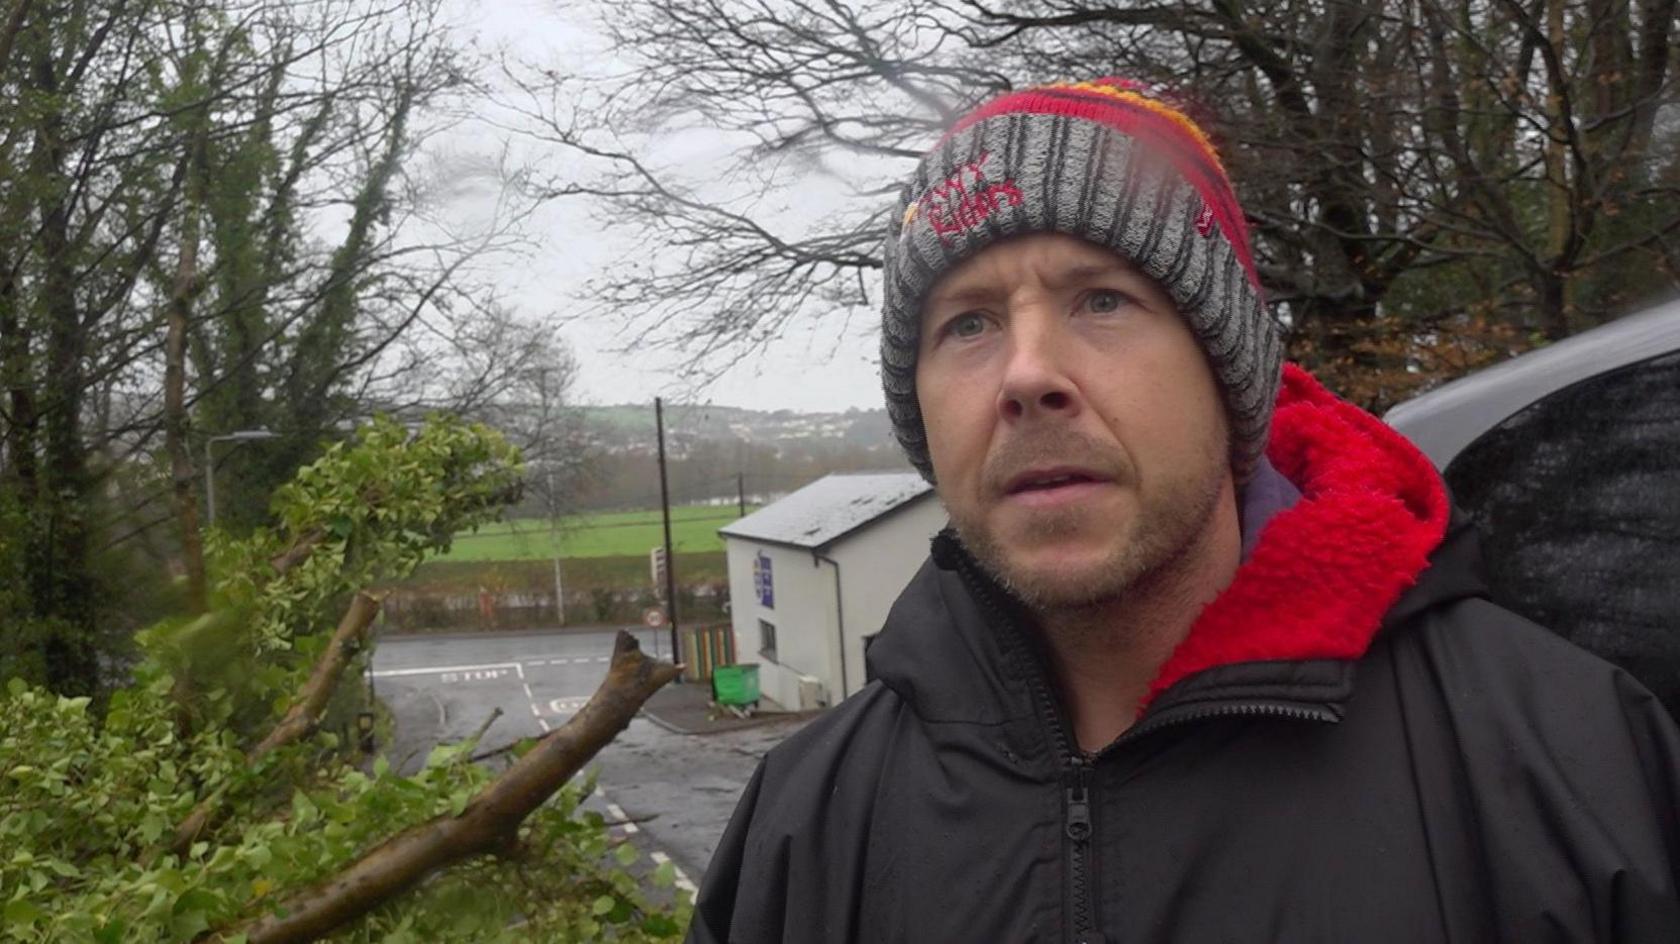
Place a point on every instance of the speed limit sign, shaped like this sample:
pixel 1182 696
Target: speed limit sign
pixel 653 616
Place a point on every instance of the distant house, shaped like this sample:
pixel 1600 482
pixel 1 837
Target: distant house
pixel 811 578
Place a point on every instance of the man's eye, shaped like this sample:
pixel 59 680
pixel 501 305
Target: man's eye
pixel 1104 301
pixel 966 325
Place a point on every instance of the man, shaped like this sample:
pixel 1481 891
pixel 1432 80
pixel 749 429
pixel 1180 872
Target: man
pixel 1203 656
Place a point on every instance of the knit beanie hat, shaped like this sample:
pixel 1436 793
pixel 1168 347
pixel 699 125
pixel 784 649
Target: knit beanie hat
pixel 1114 162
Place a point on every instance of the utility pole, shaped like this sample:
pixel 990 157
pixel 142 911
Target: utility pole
pixel 741 494
pixel 559 596
pixel 554 532
pixel 665 506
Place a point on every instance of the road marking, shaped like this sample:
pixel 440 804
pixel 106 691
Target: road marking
pixel 680 877
pixel 535 713
pixel 527 687
pixel 602 659
pixel 560 706
pixel 544 724
pixel 623 818
pixel 456 669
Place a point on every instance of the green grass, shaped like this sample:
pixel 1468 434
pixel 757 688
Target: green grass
pixel 614 534
pixel 537 576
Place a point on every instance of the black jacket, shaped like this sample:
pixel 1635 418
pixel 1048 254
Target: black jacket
pixel 1468 777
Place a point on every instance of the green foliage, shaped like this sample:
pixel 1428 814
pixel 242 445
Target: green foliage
pixel 89 801
pixel 83 804
pixel 368 511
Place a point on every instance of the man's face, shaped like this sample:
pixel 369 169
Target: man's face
pixel 1077 433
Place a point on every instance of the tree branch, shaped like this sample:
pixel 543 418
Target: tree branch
pixel 488 825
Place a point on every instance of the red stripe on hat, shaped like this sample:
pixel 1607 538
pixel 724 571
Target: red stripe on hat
pixel 1141 123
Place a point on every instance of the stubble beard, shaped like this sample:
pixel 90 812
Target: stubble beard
pixel 1168 528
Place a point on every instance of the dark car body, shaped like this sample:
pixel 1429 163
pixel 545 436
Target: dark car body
pixel 1568 460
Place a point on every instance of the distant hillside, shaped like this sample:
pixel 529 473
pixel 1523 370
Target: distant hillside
pixel 630 428
pixel 726 454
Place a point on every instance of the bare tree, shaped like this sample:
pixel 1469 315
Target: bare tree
pixel 209 225
pixel 1428 182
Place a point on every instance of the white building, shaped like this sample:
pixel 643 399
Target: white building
pixel 811 577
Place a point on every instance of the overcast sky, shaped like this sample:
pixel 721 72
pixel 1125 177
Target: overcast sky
pixel 822 363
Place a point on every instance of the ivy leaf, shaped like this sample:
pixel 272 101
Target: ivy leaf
pixel 626 854
pixel 603 905
pixel 21 911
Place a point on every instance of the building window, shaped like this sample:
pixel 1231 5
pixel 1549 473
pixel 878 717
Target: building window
pixel 764 583
pixel 767 640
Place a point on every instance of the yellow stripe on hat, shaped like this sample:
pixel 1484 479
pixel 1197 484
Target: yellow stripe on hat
pixel 1158 107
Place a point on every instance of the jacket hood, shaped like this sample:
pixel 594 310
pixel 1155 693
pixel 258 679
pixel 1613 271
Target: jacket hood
pixel 1316 588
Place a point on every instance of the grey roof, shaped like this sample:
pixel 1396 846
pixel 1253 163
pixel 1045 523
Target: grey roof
pixel 829 508
pixel 1445 420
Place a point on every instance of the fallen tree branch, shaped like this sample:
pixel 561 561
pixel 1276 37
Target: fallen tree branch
pixel 302 717
pixel 489 824
pixel 346 642
pixel 298 552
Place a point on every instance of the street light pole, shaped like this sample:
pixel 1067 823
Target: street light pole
pixel 243 435
pixel 665 509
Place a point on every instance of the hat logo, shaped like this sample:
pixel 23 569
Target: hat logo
pixel 1204 220
pixel 964 200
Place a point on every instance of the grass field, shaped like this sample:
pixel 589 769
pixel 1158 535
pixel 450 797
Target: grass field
pixel 615 534
pixel 581 574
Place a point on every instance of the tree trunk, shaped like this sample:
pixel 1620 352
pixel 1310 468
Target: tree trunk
pixel 63 583
pixel 182 475
pixel 1551 290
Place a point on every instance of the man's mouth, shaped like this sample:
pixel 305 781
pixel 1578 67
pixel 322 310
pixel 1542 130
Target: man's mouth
pixel 1051 480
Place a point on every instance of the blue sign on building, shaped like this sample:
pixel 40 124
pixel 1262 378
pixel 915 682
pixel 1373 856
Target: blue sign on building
pixel 762 582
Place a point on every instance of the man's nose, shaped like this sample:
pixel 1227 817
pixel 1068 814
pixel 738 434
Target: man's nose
pixel 1035 377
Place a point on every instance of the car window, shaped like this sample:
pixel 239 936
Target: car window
pixel 1577 499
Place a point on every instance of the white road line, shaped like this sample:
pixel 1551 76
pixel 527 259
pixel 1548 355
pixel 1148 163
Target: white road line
pixel 602 659
pixel 527 687
pixel 681 877
pixel 433 670
pixel 560 706
pixel 623 819
pixel 616 810
pixel 535 713
pixel 544 724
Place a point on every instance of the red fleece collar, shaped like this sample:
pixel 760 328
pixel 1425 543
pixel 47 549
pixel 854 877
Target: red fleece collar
pixel 1326 569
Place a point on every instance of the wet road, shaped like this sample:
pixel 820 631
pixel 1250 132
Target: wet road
pixel 677 791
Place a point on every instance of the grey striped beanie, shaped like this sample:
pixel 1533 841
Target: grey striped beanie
pixel 1114 162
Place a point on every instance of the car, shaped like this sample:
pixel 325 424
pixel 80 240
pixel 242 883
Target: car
pixel 1567 460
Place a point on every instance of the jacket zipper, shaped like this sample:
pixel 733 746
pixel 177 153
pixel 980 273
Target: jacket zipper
pixel 1077 764
pixel 1225 710
pixel 1077 824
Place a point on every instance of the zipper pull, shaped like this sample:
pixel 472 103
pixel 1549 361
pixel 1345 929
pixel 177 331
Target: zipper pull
pixel 1078 807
